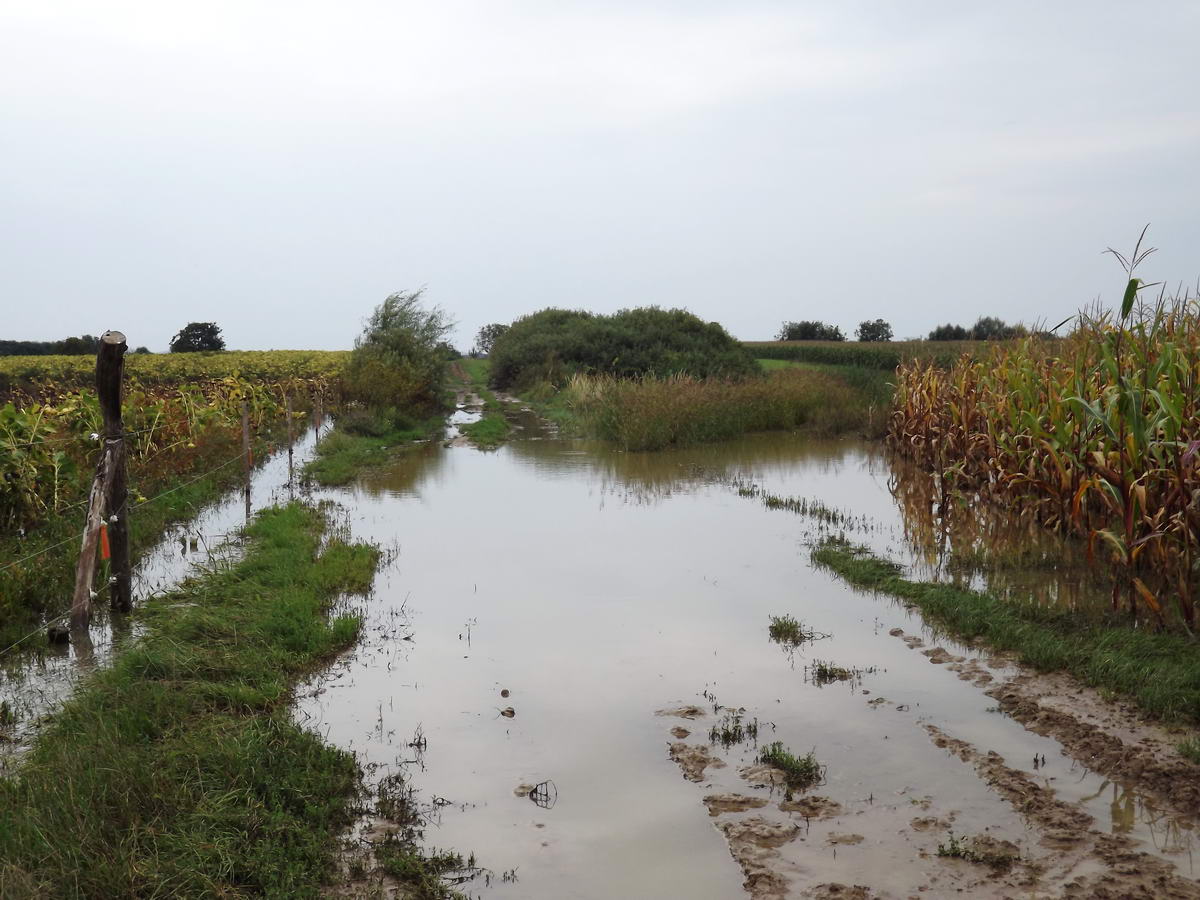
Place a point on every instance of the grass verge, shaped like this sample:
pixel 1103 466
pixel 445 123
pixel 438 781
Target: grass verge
pixel 357 445
pixel 1158 671
pixel 178 772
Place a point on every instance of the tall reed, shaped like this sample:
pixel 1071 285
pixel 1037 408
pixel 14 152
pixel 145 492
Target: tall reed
pixel 652 413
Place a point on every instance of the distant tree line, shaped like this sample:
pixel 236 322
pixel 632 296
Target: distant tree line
pixel 869 330
pixel 986 328
pixel 72 346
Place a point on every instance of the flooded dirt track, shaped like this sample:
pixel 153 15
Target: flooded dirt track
pixel 568 654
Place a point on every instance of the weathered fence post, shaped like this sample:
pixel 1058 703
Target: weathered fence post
pixel 108 493
pixel 110 371
pixel 291 436
pixel 246 452
pixel 85 566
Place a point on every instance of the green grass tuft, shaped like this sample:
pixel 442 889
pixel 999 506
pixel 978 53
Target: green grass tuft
pixel 799 772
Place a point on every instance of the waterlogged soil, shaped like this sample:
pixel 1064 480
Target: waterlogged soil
pixel 557 658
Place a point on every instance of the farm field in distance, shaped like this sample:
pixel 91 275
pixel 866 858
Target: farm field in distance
pixel 836 639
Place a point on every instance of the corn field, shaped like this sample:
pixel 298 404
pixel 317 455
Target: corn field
pixel 1096 435
pixel 46 440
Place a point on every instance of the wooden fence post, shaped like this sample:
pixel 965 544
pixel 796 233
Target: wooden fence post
pixel 291 437
pixel 246 452
pixel 85 566
pixel 110 371
pixel 108 493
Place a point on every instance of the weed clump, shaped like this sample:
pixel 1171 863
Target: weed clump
pixel 791 632
pixel 824 672
pixel 799 772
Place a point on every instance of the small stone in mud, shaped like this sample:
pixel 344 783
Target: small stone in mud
pixel 727 803
pixel 508 712
pixel 812 807
pixel 683 712
pixel 877 701
pixel 523 790
pixel 939 656
pixel 759 832
pixel 680 732
pixel 762 775
pixel 844 838
pixel 994 852
pixel 504 692
pixel 693 759
pixel 929 823
pixel 897 632
pixel 914 642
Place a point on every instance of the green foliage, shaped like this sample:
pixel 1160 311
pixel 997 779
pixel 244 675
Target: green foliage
pixel 179 771
pixel 551 345
pixel 196 337
pixel 487 337
pixel 873 330
pixel 809 331
pixel 399 359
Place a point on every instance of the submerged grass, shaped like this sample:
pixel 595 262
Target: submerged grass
pixel 788 630
pixel 1158 671
pixel 799 772
pixel 179 771
pixel 342 454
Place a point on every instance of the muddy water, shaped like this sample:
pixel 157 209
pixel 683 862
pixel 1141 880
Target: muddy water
pixel 597 588
pixel 35 681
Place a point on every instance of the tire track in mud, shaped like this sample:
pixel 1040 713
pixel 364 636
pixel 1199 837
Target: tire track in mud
pixel 1065 854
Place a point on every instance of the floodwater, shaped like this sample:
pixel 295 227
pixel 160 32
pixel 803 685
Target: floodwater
pixel 35 681
pixel 583 590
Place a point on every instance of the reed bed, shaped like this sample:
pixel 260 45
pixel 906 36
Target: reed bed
pixel 1096 435
pixel 653 413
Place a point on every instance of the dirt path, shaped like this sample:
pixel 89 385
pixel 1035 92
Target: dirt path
pixel 906 845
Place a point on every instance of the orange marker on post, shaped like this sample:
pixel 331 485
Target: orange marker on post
pixel 105 553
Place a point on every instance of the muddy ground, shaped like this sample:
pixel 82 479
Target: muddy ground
pixel 907 843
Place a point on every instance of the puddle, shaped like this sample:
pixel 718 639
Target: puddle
pixel 584 590
pixel 37 680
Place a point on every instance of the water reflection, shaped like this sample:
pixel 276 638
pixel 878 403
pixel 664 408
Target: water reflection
pixel 991 547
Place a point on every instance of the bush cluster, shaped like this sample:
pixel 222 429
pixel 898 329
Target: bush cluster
pixel 551 345
pixel 401 358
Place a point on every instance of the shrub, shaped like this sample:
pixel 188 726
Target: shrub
pixel 554 344
pixel 399 361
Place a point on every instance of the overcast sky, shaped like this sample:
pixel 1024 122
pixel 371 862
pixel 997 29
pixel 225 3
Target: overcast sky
pixel 281 167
